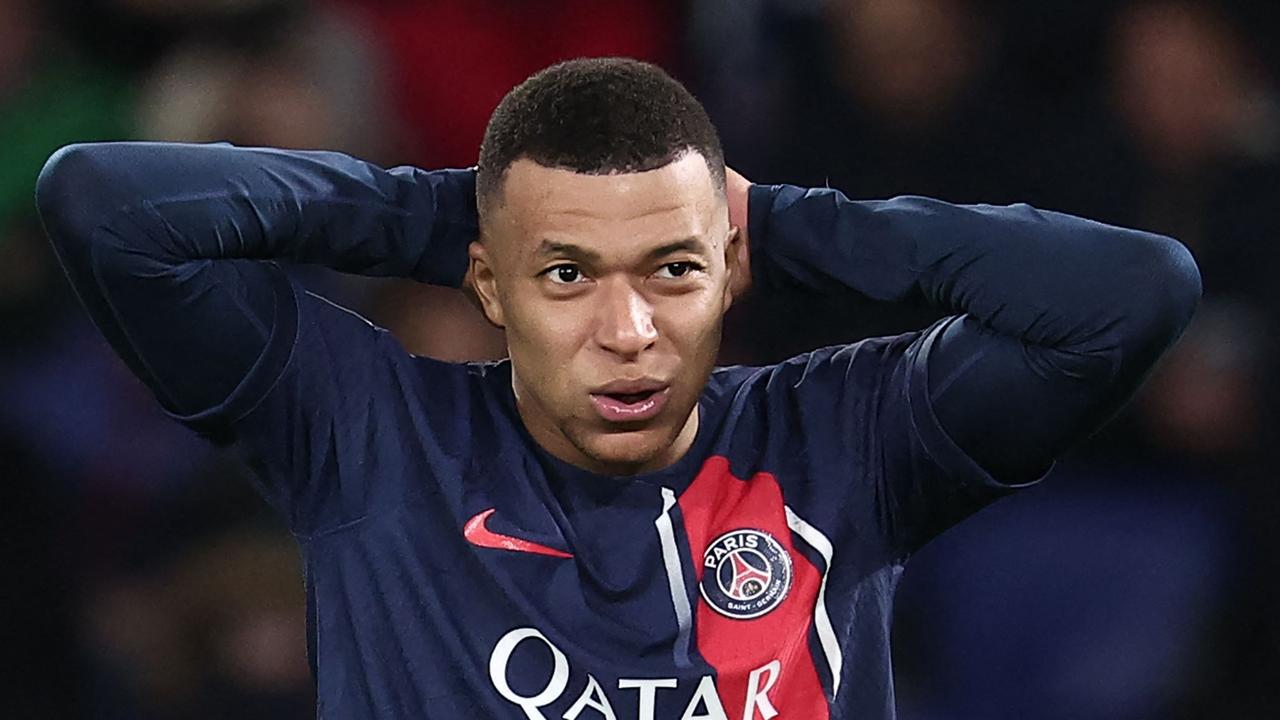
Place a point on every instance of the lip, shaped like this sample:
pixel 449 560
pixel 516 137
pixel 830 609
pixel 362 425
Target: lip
pixel 627 387
pixel 615 410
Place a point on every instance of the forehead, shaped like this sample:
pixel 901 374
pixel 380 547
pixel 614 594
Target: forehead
pixel 607 212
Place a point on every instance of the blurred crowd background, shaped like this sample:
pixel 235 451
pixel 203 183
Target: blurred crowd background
pixel 144 578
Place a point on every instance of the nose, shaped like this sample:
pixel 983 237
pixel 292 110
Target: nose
pixel 625 320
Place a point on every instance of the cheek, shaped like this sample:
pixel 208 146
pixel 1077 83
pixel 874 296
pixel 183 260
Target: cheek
pixel 693 326
pixel 543 339
pixel 535 321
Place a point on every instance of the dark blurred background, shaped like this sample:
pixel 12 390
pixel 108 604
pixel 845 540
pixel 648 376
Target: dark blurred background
pixel 144 579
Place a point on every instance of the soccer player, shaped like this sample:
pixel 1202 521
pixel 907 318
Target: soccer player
pixel 604 525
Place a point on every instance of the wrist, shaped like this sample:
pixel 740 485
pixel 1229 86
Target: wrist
pixel 454 226
pixel 760 200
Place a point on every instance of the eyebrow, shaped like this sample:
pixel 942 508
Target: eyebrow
pixel 568 250
pixel 584 255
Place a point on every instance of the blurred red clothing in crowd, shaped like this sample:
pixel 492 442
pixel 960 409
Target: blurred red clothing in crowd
pixel 450 63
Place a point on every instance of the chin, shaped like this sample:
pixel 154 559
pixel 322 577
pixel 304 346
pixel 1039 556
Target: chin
pixel 626 453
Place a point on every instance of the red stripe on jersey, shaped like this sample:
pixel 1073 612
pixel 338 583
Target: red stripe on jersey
pixel 717 503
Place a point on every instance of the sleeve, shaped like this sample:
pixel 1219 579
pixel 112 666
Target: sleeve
pixel 341 431
pixel 176 251
pixel 1056 321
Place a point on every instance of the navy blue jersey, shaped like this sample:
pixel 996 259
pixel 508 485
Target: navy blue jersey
pixel 454 569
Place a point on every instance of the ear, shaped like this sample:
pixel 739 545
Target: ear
pixel 737 263
pixel 737 249
pixel 482 281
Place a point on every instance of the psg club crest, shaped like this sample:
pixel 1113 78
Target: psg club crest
pixel 746 573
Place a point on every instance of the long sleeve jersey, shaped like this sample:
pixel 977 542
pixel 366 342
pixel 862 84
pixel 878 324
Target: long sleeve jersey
pixel 455 569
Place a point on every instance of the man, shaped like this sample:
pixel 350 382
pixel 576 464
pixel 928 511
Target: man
pixel 603 526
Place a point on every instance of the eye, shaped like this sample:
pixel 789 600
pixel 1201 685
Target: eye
pixel 564 274
pixel 677 270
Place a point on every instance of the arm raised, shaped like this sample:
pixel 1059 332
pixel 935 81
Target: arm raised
pixel 172 247
pixel 1057 321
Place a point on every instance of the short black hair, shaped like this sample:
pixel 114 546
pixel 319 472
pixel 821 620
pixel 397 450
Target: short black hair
pixel 597 116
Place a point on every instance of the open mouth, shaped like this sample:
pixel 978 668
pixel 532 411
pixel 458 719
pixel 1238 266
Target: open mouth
pixel 631 398
pixel 630 406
